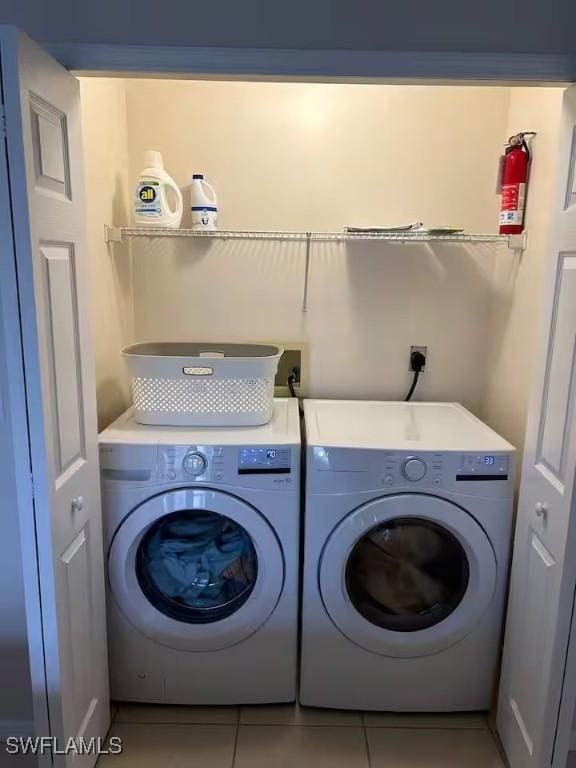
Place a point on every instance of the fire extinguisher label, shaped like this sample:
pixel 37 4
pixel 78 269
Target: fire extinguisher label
pixel 513 198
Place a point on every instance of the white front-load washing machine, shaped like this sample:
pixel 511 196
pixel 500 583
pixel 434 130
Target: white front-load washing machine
pixel 202 549
pixel 408 518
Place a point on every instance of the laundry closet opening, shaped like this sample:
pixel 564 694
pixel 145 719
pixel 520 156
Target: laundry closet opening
pixel 310 157
pixel 204 547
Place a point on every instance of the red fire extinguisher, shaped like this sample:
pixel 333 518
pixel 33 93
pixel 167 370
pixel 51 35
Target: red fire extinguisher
pixel 515 169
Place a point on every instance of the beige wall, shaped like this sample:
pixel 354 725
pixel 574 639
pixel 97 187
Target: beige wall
pixel 303 156
pixel 309 156
pixel 518 286
pixel 108 195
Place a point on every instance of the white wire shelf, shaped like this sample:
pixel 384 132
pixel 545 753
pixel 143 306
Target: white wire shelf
pixel 125 234
pixel 122 234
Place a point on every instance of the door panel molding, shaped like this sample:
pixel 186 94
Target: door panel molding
pixel 552 452
pixel 50 148
pixel 63 353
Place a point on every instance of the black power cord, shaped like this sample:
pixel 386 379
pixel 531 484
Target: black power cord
pixel 292 380
pixel 291 383
pixel 417 363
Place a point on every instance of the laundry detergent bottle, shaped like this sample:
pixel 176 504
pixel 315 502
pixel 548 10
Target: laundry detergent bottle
pixel 204 204
pixel 156 192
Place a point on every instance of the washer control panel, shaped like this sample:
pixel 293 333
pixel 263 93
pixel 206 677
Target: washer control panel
pixel 269 466
pixel 177 463
pixel 340 470
pixel 202 463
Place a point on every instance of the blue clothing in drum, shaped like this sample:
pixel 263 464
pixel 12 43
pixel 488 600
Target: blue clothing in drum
pixel 196 567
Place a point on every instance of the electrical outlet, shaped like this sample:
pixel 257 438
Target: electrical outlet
pixel 423 351
pixel 290 364
pixel 294 359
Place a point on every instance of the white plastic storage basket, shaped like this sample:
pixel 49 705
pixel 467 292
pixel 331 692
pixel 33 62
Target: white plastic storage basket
pixel 189 384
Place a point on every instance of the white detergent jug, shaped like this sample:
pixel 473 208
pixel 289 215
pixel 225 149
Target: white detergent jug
pixel 204 203
pixel 151 205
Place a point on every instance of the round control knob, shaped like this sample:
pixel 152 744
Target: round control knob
pixel 414 469
pixel 194 464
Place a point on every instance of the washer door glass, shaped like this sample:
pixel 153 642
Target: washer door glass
pixel 196 566
pixel 407 574
pixel 196 569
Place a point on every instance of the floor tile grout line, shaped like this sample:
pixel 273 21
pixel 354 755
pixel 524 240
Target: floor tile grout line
pixel 228 724
pixel 466 728
pixel 367 744
pixel 302 725
pixel 277 724
pixel 236 738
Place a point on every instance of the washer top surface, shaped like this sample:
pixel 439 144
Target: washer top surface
pixel 398 426
pixel 284 428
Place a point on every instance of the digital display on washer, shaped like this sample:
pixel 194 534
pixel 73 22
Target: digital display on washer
pixel 262 461
pixel 483 466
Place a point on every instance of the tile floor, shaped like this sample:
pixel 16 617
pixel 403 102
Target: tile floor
pixel 286 736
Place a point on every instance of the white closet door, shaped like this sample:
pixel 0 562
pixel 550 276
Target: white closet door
pixel 42 109
pixel 544 566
